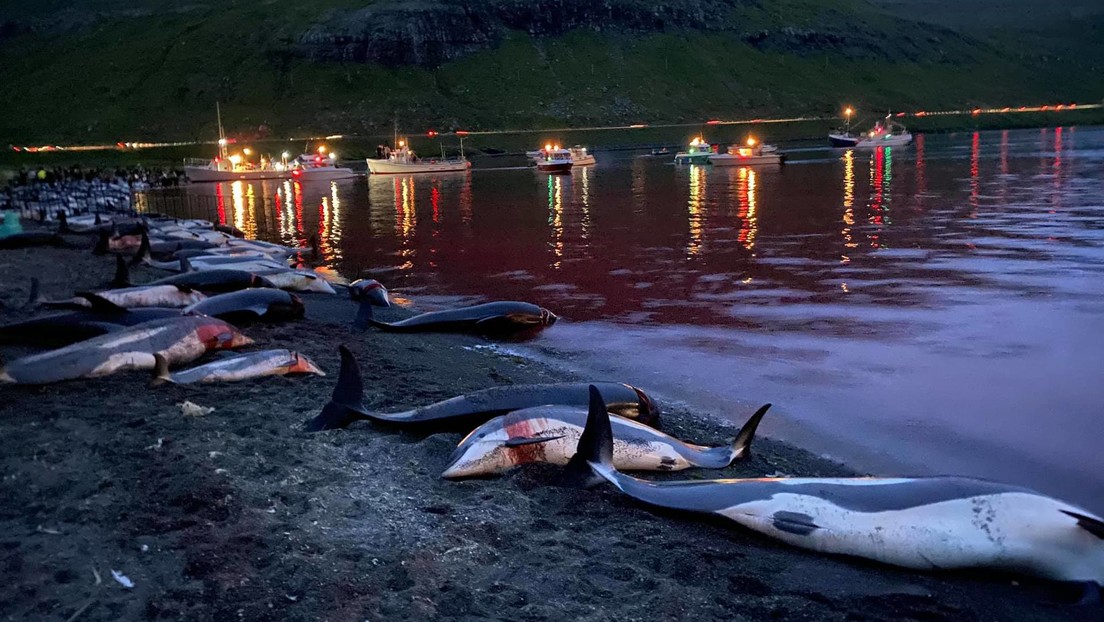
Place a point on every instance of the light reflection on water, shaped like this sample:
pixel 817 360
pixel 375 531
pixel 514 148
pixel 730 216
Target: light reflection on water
pixel 931 308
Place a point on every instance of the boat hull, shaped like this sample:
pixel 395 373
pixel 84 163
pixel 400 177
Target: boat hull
pixel 896 140
pixel 695 158
pixel 727 159
pixel 386 167
pixel 201 174
pixel 558 166
pixel 842 141
pixel 584 161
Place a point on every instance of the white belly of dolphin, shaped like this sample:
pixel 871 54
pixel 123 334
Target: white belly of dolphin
pixel 1014 531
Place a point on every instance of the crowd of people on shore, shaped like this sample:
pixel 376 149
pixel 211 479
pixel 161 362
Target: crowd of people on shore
pixel 82 188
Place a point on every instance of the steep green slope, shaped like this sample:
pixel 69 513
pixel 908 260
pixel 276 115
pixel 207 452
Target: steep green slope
pixel 149 69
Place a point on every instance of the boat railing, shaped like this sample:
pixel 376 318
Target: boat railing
pixel 196 162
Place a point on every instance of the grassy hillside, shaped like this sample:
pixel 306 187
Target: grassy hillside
pixel 89 70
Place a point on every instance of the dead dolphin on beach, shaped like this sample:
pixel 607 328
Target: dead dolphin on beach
pixel 168 296
pixel 924 523
pixel 178 339
pixel 551 434
pixel 246 305
pixel 503 319
pixel 64 328
pixel 237 367
pixel 464 411
pixel 216 281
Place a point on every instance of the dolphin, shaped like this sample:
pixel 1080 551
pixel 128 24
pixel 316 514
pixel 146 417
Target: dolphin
pixel 237 367
pixel 270 305
pixel 212 281
pixel 369 293
pixel 551 434
pixel 492 319
pixel 928 523
pixel 142 296
pixel 346 405
pixel 178 339
pixel 60 329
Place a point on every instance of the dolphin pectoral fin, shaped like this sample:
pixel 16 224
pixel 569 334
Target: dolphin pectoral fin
pixel 160 371
pixel 520 441
pixel 100 304
pixel 1095 526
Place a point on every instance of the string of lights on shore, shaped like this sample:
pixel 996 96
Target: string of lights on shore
pixel 123 146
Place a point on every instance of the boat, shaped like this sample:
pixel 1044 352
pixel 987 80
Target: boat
pixel 580 157
pixel 555 160
pixel 884 134
pixel 660 151
pixel 320 166
pixel 697 153
pixel 234 167
pixel 404 160
pixel 751 153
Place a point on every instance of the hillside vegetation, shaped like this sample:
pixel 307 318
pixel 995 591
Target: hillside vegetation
pixel 105 70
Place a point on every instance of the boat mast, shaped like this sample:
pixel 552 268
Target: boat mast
pixel 222 134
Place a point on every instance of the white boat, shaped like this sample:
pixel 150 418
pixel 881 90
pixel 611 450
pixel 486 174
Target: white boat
pixel 319 166
pixel 555 160
pixel 404 160
pixel 697 153
pixel 233 167
pixel 887 134
pixel 580 157
pixel 751 153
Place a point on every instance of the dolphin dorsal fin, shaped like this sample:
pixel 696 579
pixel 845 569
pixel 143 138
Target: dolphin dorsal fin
pixel 1093 525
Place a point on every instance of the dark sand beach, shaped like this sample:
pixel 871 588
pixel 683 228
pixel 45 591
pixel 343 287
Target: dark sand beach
pixel 238 515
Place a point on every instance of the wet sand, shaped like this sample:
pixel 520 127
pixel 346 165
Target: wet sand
pixel 239 515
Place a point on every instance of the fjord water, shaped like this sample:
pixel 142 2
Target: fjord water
pixel 937 308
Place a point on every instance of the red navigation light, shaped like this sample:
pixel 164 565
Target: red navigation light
pixel 461 132
pixel 713 122
pixel 431 133
pixel 297 173
pixel 14 148
pixel 976 111
pixel 900 114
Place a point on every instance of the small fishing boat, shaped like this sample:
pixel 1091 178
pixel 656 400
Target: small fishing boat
pixel 697 153
pixel 660 152
pixel 580 157
pixel 751 153
pixel 884 134
pixel 555 160
pixel 404 160
pixel 320 166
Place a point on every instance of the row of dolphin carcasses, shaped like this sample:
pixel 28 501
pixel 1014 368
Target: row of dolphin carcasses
pixel 172 320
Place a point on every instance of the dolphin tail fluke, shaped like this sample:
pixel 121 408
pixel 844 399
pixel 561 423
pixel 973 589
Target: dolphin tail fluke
pixel 102 243
pixel 122 273
pixel 143 250
pixel 593 459
pixel 364 316
pixel 1091 524
pixel 160 371
pixel 741 447
pixel 345 406
pixel 35 296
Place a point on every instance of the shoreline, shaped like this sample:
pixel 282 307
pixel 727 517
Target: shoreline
pixel 238 513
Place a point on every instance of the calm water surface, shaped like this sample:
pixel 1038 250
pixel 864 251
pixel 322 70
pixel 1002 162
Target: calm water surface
pixel 937 308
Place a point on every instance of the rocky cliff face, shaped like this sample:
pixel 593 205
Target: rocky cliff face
pixel 430 33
